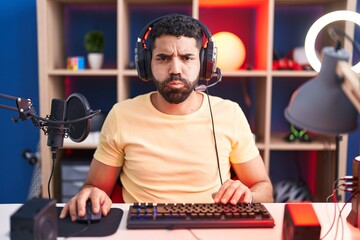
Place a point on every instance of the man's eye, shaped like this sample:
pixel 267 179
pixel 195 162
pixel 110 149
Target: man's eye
pixel 188 57
pixel 163 59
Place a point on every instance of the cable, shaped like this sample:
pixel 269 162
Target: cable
pixel 334 218
pixel 333 33
pixel 214 135
pixel 340 212
pixel 333 195
pixel 193 234
pixel 53 156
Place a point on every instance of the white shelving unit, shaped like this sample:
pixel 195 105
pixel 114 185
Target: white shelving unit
pixel 52 68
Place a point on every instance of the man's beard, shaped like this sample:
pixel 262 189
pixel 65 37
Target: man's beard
pixel 175 95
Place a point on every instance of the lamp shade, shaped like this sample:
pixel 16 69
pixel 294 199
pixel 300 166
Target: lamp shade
pixel 320 105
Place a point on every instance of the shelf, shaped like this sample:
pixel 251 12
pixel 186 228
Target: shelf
pixel 288 73
pixel 244 73
pixel 321 143
pixel 86 1
pixel 90 142
pixel 85 72
pixel 305 2
pixel 130 72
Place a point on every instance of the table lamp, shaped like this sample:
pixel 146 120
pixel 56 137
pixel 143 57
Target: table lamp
pixel 231 51
pixel 330 102
pixel 320 105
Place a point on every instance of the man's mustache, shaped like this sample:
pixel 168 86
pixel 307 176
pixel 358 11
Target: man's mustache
pixel 176 78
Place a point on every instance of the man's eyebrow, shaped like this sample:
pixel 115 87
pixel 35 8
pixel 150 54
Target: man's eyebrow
pixel 187 55
pixel 163 55
pixel 168 55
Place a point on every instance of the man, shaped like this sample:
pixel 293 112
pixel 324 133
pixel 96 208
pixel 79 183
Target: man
pixel 175 144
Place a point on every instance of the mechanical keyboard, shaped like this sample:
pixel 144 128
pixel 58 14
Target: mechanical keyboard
pixel 198 215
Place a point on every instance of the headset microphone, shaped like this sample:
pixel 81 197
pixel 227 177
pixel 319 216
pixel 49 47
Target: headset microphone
pixel 203 87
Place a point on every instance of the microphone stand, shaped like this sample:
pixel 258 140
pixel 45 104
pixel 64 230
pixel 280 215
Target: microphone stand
pixel 55 126
pixel 25 110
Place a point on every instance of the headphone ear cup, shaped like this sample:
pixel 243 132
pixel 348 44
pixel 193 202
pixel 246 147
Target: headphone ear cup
pixel 202 65
pixel 140 61
pixel 148 72
pixel 207 61
pixel 143 62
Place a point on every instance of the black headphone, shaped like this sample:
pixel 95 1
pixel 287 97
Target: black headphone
pixel 143 54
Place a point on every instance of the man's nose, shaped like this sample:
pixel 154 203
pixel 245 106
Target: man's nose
pixel 175 66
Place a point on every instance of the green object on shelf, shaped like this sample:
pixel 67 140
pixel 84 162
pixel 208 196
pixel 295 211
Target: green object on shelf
pixel 296 134
pixel 94 42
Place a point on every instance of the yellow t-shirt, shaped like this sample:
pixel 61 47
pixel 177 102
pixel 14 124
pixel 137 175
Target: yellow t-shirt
pixel 172 158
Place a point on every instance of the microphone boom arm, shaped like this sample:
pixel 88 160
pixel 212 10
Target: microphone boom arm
pixel 24 108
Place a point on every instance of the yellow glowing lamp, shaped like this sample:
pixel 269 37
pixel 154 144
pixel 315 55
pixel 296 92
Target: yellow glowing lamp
pixel 231 51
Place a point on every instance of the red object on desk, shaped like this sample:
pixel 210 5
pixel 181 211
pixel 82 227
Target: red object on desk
pixel 300 222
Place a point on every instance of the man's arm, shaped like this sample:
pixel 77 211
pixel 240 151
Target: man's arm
pixel 253 184
pixel 98 186
pixel 253 174
pixel 102 176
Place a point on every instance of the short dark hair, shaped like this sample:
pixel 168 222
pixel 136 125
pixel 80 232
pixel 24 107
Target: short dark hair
pixel 176 25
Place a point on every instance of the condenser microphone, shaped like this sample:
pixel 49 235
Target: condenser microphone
pixel 69 118
pixel 202 87
pixel 55 127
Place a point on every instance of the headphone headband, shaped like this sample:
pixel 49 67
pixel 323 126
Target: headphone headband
pixel 203 27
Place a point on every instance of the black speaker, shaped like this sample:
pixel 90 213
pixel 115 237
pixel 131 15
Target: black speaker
pixel 143 53
pixel 36 219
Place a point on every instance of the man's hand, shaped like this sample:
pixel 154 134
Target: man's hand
pixel 233 191
pixel 99 199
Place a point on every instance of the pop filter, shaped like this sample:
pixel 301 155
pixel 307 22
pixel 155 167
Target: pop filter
pixel 77 107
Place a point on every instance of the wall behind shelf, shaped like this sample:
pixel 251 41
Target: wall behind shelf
pixel 240 21
pixel 19 78
pixel 294 166
pixel 99 91
pixel 80 19
pixel 291 25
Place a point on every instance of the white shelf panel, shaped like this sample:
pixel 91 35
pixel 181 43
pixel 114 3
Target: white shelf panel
pixel 85 72
pixel 320 143
pixel 90 142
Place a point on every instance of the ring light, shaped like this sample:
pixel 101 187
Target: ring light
pixel 316 28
